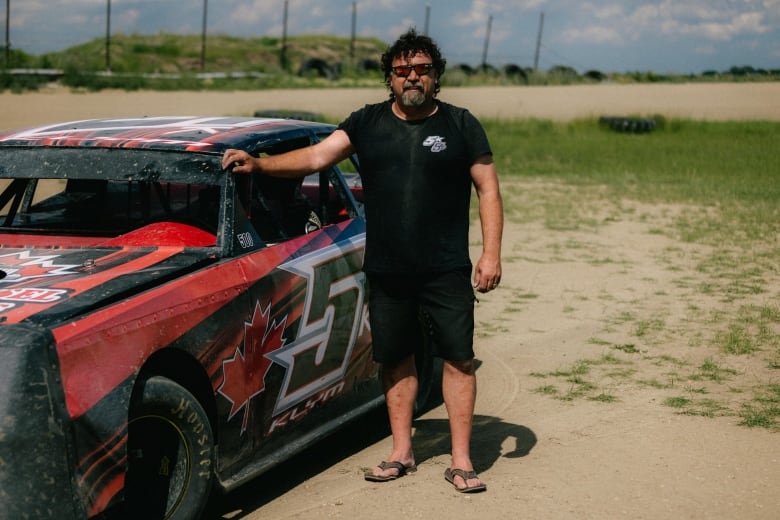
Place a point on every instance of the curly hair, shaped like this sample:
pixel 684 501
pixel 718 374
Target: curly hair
pixel 407 45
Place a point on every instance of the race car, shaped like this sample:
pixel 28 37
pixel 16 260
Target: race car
pixel 168 328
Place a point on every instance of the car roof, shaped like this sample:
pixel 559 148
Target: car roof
pixel 170 133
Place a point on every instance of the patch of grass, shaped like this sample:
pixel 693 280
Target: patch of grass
pixel 736 341
pixel 606 359
pixel 578 389
pixel 677 402
pixel 488 329
pixel 698 407
pixel 711 371
pixel 582 177
pixel 687 162
pixel 546 390
pixel 579 368
pixel 578 385
pixel 655 383
pixel 628 348
pixel 764 409
pixel 621 373
pixel 523 296
pixel 622 318
pixel 756 418
pixel 604 398
pixel 645 327
pixel 753 329
pixel 670 360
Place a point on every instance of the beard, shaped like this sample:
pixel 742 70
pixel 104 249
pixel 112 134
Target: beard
pixel 412 98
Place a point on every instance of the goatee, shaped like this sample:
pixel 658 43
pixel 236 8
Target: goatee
pixel 412 98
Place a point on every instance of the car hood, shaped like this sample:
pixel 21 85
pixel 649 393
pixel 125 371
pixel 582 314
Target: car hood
pixel 47 286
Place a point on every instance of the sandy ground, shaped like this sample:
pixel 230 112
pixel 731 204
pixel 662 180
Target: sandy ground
pixel 618 296
pixel 717 101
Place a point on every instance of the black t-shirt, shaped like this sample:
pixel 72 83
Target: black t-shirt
pixel 417 186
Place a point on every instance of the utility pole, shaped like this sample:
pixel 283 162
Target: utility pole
pixel 427 18
pixel 487 41
pixel 354 30
pixel 7 33
pixel 108 37
pixel 203 39
pixel 283 55
pixel 538 41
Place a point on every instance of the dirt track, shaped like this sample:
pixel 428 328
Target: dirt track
pixel 717 101
pixel 542 457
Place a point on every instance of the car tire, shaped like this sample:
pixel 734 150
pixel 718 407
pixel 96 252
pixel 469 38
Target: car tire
pixel 170 453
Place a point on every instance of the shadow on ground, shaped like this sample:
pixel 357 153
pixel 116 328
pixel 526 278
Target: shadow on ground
pixel 349 440
pixel 431 439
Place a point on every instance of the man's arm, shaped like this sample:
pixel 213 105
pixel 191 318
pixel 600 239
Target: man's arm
pixel 296 163
pixel 487 272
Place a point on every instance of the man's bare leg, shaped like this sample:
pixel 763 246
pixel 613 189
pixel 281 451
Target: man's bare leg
pixel 400 385
pixel 459 388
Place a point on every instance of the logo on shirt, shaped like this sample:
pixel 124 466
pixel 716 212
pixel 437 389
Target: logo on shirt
pixel 436 143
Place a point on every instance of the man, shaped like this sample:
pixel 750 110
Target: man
pixel 419 158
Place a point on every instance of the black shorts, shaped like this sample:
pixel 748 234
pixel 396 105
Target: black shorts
pixel 397 303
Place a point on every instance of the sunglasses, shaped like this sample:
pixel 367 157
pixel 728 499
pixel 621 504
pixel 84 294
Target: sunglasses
pixel 403 71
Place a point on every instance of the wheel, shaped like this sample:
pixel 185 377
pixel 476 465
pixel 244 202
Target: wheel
pixel 170 453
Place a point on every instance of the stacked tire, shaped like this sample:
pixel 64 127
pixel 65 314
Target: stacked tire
pixel 633 125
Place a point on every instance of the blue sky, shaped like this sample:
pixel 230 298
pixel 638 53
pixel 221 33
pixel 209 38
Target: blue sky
pixel 663 36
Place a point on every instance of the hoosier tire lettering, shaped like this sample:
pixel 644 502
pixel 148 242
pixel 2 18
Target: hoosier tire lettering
pixel 170 453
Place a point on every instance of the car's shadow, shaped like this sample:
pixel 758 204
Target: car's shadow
pixel 355 436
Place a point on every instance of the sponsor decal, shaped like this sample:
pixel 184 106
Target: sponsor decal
pixel 32 295
pixel 299 412
pixel 316 359
pixel 436 143
pixel 23 266
pixel 245 240
pixel 244 373
pixel 320 354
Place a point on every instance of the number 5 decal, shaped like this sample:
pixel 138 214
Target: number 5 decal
pixel 319 355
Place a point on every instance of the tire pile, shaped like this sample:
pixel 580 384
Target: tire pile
pixel 633 125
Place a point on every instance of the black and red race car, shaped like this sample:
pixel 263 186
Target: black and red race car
pixel 168 327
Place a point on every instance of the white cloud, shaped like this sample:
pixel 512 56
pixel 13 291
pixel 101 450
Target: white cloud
pixel 709 20
pixel 604 34
pixel 608 12
pixel 593 34
pixel 252 13
pixel 726 30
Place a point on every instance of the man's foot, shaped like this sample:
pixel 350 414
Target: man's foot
pixel 386 471
pixel 464 481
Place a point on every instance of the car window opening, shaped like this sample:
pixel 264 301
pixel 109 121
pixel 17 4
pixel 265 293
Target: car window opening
pixel 284 208
pixel 108 208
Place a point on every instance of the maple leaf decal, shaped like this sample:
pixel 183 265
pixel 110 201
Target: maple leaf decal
pixel 23 265
pixel 244 373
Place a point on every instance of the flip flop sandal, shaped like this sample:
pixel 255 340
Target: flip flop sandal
pixel 402 470
pixel 450 475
